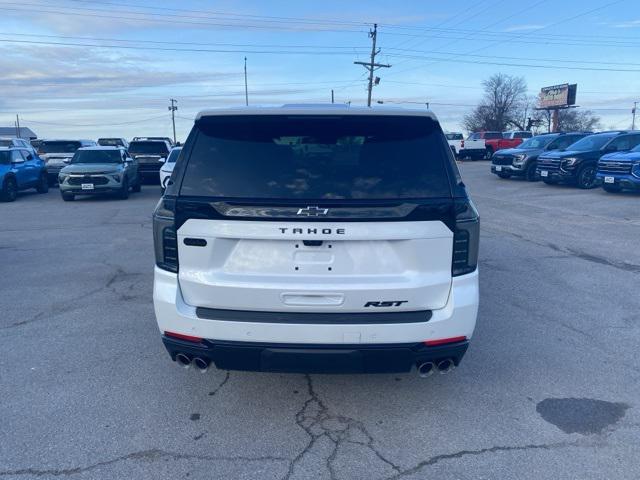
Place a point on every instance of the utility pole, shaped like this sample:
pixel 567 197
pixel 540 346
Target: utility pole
pixel 332 95
pixel 372 66
pixel 633 112
pixel 18 126
pixel 246 90
pixel 173 109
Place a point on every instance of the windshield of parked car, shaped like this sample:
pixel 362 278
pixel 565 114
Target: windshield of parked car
pixel 173 156
pixel 537 142
pixel 453 136
pixel 59 147
pixel 592 142
pixel 148 147
pixel 97 156
pixel 317 157
pixel 5 157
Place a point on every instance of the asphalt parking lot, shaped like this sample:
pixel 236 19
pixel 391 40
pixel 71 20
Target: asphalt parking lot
pixel 549 388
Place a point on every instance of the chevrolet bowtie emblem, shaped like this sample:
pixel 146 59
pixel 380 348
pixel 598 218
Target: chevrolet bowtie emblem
pixel 312 211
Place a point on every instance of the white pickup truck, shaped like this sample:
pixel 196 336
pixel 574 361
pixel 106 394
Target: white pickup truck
pixel 473 147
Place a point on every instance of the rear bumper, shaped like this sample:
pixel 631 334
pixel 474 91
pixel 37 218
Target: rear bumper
pixel 278 357
pixel 457 318
pixel 472 152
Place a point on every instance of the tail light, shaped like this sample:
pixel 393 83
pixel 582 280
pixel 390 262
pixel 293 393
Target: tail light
pixel 466 238
pixel 461 143
pixel 165 238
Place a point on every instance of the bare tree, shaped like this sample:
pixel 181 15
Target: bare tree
pixel 570 120
pixel 502 106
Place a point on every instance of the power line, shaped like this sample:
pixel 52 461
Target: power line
pixel 101 124
pixel 562 21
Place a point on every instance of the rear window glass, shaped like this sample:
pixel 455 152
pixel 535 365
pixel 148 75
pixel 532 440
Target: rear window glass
pixel 453 136
pixel 173 156
pixel 150 147
pixel 6 143
pixel 111 142
pixel 317 157
pixel 492 135
pixel 59 147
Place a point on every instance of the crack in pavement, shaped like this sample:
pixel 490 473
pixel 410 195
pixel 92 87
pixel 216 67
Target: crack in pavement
pixel 222 384
pixel 318 423
pixel 74 303
pixel 482 451
pixel 144 455
pixel 569 252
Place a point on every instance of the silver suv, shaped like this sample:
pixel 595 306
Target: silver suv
pixel 99 170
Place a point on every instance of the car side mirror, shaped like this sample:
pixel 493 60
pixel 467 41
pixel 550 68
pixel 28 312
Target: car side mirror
pixel 29 157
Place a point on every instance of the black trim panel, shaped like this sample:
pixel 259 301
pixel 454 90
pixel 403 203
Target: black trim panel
pixel 310 358
pixel 313 318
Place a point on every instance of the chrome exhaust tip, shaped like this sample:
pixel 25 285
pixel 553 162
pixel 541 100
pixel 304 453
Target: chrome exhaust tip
pixel 445 366
pixel 426 369
pixel 183 360
pixel 201 364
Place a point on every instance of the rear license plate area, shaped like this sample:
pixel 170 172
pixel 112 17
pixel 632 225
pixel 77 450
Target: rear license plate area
pixel 311 361
pixel 609 180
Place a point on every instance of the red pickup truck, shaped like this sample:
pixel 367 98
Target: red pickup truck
pixel 495 141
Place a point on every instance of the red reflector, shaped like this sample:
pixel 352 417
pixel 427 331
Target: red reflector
pixel 442 341
pixel 180 336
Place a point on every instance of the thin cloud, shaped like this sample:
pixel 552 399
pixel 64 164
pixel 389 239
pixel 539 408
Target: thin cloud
pixel 524 28
pixel 628 24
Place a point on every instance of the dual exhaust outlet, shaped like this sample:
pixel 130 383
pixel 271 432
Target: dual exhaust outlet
pixel 444 366
pixel 202 364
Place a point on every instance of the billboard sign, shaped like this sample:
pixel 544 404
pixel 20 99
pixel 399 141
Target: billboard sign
pixel 558 96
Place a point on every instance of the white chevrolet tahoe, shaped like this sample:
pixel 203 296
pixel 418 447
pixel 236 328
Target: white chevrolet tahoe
pixel 312 238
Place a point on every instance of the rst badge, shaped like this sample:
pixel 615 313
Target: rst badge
pixel 392 303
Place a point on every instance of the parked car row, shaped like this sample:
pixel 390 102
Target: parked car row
pixel 484 144
pixel 85 167
pixel 610 159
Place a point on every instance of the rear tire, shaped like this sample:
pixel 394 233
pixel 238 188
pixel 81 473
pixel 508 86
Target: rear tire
pixel 612 188
pixel 530 174
pixel 9 190
pixel 488 153
pixel 68 197
pixel 43 184
pixel 124 191
pixel 586 177
pixel 137 187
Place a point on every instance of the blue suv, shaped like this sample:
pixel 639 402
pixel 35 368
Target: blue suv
pixel 578 164
pixel 19 170
pixel 620 170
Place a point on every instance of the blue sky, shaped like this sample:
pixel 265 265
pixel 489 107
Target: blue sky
pixel 77 68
